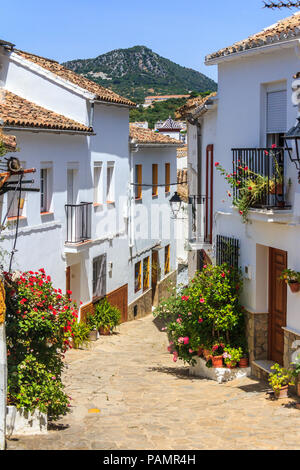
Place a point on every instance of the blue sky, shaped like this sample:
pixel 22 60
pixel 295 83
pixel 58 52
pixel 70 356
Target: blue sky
pixel 183 31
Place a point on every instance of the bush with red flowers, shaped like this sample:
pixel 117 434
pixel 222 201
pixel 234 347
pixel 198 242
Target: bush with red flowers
pixel 206 313
pixel 39 321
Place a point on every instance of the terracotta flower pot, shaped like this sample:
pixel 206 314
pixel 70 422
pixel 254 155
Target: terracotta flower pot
pixel 282 393
pixel 93 335
pixel 294 286
pixel 231 365
pixel 276 189
pixel 217 361
pixel 104 331
pixel 244 362
pixel 207 354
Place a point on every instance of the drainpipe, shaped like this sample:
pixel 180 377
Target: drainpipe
pixel 91 116
pixel 134 148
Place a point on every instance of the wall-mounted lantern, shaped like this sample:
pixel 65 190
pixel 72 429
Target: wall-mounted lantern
pixel 175 203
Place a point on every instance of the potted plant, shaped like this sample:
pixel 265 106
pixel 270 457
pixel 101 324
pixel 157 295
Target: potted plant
pixel 107 317
pixel 91 321
pixel 244 361
pixel 296 365
pixel 280 380
pixel 217 355
pixel 232 356
pixel 292 278
pixel 81 335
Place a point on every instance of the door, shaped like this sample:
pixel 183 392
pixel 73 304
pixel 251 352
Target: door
pixel 209 193
pixel 119 298
pixel 277 304
pixel 73 215
pixel 154 273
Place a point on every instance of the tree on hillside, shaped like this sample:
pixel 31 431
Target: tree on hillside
pixel 282 4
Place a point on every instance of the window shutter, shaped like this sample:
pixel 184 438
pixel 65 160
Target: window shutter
pixel 276 112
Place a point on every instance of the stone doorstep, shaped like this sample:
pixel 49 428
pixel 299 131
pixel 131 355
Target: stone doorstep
pixel 220 375
pixel 264 365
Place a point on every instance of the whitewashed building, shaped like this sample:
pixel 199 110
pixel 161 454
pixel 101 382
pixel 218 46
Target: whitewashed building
pixel 75 133
pixel 252 111
pixel 152 236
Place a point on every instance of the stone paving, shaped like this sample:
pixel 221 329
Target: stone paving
pixel 148 402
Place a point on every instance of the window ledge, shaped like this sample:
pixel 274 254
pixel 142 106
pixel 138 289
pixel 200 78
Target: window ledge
pixel 99 204
pixel 154 196
pixel 21 217
pixel 110 202
pixel 138 199
pixel 47 213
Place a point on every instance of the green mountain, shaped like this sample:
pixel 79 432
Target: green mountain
pixel 138 72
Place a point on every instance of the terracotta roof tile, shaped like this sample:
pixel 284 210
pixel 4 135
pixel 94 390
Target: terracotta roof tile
pixel 283 30
pixel 18 112
pixel 8 140
pixel 52 66
pixel 147 136
pixel 192 104
pixel 182 152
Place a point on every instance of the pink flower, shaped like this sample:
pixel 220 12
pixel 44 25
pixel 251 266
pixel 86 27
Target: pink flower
pixel 186 340
pixel 223 275
pixel 217 164
pixel 181 340
pixel 174 358
pixel 202 301
pixel 200 320
pixel 185 297
pixel 190 314
pixel 266 152
pixel 179 320
pixel 191 351
pixel 274 146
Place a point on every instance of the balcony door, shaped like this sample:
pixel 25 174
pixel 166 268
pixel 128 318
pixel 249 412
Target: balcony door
pixel 277 304
pixel 209 193
pixel 73 215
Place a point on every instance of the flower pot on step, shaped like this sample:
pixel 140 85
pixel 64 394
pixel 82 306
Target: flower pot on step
pixel 294 286
pixel 282 393
pixel 217 361
pixel 231 365
pixel 93 335
pixel 104 331
pixel 244 362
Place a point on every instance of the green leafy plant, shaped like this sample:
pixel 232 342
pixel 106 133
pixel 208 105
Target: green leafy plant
pixel 91 321
pixel 81 332
pixel 205 313
pixel 107 316
pixel 296 367
pixel 232 355
pixel 280 377
pixel 39 322
pixel 290 276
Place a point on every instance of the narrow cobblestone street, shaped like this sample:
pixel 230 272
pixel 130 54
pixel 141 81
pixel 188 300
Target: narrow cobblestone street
pixel 148 402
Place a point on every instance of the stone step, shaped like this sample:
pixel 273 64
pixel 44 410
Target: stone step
pixel 264 364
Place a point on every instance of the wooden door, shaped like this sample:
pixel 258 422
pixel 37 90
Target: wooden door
pixel 277 304
pixel 119 298
pixel 209 193
pixel 154 272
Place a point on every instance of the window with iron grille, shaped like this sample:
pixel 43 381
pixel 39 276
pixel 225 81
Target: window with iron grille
pixel 227 251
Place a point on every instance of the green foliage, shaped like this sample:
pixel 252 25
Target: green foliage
pixel 280 377
pixel 137 72
pixel 296 366
pixel 81 334
pixel 107 316
pixel 206 313
pixel 232 355
pixel 290 276
pixel 39 321
pixel 160 111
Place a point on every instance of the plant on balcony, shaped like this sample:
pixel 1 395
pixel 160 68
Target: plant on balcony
pixel 39 324
pixel 292 278
pixel 107 316
pixel 251 187
pixel 280 380
pixel 208 314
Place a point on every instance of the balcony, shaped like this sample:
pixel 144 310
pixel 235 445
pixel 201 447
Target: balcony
pixel 200 221
pixel 267 163
pixel 79 222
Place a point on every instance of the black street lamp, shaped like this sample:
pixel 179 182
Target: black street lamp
pixel 175 203
pixel 292 138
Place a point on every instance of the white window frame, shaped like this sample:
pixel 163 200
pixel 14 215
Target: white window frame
pixel 98 183
pixel 110 182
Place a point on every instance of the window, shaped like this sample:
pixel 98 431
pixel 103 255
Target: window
pixel 167 177
pixel 138 276
pixel 154 179
pixel 14 199
pixel 167 259
pixel 138 181
pixel 276 117
pixel 98 183
pixel 99 276
pixel 146 271
pixel 45 188
pixel 110 190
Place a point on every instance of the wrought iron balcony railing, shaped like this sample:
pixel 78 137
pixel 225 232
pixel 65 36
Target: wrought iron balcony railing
pixel 268 163
pixel 200 219
pixel 79 222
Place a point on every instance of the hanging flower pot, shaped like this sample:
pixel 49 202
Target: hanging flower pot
pixel 294 286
